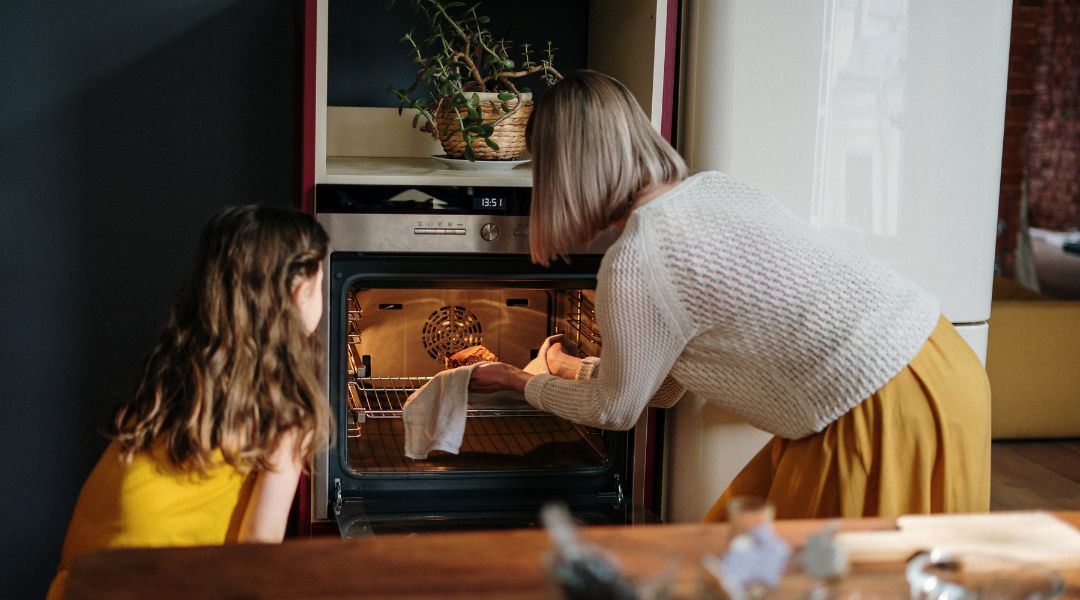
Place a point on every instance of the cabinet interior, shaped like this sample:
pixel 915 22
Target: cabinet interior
pixel 373 144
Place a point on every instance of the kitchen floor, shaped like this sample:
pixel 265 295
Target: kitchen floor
pixel 1043 474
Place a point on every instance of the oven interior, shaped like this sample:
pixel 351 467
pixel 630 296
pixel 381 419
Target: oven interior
pixel 392 335
pixel 397 340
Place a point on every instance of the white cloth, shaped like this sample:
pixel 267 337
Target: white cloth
pixel 721 287
pixel 434 415
pixel 539 364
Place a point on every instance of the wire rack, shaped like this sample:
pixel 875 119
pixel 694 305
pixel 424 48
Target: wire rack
pixel 354 314
pixel 384 397
pixel 580 320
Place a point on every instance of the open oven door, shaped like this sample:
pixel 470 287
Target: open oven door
pixel 354 518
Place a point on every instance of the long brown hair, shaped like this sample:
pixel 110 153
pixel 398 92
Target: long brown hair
pixel 234 367
pixel 593 149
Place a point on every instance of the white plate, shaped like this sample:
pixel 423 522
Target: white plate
pixel 462 164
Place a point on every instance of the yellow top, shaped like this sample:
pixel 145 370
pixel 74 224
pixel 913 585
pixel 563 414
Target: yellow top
pixel 148 502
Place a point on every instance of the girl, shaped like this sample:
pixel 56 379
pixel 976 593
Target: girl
pixel 228 407
pixel 877 405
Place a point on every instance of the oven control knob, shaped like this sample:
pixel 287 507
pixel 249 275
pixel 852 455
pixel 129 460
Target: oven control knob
pixel 490 232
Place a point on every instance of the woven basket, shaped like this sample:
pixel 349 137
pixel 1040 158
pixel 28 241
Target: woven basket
pixel 509 133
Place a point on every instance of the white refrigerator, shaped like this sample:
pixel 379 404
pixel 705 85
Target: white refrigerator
pixel 878 121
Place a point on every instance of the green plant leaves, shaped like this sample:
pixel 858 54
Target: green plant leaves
pixel 456 56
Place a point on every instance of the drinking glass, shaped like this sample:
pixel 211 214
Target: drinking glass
pixel 747 512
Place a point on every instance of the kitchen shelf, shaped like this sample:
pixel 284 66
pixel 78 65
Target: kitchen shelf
pixel 362 170
pixel 378 145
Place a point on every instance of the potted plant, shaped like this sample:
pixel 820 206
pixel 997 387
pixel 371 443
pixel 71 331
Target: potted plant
pixel 474 105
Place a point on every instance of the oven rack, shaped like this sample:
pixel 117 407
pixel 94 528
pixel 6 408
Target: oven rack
pixel 582 318
pixel 384 397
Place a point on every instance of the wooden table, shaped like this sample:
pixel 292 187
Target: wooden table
pixel 499 564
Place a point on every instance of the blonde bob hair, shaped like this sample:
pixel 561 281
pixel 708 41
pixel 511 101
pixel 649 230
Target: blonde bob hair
pixel 593 150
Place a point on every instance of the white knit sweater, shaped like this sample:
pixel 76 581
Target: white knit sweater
pixel 721 287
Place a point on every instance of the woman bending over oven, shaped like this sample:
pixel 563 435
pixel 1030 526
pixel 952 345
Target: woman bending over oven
pixel 877 405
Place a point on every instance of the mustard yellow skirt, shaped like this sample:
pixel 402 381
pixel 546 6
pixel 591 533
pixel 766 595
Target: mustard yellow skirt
pixel 921 444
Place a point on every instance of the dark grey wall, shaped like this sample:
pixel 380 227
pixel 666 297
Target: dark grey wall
pixel 124 124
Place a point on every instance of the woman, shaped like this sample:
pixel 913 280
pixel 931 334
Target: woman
pixel 877 405
pixel 228 408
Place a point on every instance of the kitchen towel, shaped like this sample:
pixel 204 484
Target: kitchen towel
pixel 434 415
pixel 539 364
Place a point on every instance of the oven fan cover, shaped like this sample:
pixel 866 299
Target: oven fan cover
pixel 449 329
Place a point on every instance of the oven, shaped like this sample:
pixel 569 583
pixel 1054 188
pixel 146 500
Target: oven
pixel 414 274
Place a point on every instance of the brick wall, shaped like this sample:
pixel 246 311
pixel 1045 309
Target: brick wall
pixel 1053 142
pixel 1023 57
pixel 1042 121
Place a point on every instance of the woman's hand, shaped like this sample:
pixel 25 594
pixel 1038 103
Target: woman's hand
pixel 497 376
pixel 561 364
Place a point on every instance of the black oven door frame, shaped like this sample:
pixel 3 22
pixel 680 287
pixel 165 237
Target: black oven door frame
pixel 365 503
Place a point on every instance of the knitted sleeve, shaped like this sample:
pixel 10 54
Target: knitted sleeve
pixel 642 341
pixel 670 392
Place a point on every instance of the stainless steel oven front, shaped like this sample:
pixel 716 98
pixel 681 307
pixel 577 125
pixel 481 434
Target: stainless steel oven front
pixel 416 273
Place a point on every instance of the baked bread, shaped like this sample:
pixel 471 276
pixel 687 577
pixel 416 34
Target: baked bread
pixel 469 356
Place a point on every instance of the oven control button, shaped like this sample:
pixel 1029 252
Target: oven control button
pixel 490 232
pixel 521 231
pixel 454 231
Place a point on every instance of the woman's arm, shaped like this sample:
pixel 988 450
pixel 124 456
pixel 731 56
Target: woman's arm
pixel 567 366
pixel 267 511
pixel 496 377
pixel 645 332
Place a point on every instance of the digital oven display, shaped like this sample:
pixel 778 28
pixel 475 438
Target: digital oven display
pixel 488 203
